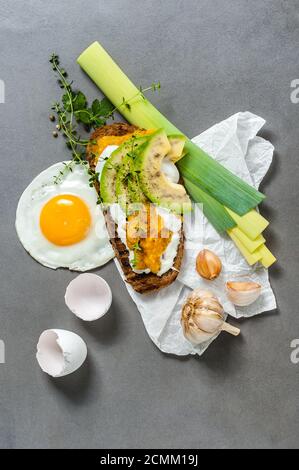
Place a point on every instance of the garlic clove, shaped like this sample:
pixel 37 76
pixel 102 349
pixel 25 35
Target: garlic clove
pixel 209 322
pixel 212 304
pixel 195 335
pixel 203 317
pixel 243 293
pixel 208 265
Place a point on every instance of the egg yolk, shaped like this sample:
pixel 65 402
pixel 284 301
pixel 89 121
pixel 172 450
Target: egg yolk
pixel 65 220
pixel 145 231
pixel 104 141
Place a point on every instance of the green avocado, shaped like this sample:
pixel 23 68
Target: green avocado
pixel 111 167
pixel 127 186
pixel 177 142
pixel 153 182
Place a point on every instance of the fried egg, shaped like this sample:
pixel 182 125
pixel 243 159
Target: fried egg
pixel 61 225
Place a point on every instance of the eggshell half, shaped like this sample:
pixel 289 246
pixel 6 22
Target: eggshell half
pixel 88 296
pixel 60 352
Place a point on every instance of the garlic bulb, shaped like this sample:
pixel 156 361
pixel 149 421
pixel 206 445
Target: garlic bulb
pixel 243 293
pixel 203 317
pixel 208 265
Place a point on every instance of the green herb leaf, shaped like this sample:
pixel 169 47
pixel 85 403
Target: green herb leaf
pixel 79 101
pixel 102 108
pixel 136 247
pixel 98 122
pixel 96 106
pixel 83 116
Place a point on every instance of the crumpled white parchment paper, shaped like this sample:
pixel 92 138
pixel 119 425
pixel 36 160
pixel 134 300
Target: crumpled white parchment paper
pixel 234 143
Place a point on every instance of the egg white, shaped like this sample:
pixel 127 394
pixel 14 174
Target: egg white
pixel 170 170
pixel 92 252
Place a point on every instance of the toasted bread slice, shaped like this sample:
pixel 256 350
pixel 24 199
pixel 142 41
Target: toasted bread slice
pixel 142 283
pixel 117 129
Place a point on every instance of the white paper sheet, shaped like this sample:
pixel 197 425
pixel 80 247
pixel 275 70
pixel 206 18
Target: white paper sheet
pixel 234 143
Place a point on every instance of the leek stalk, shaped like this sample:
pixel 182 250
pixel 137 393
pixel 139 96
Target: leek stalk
pixel 212 209
pixel 197 166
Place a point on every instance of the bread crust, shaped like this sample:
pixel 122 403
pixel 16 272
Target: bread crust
pixel 142 283
pixel 117 128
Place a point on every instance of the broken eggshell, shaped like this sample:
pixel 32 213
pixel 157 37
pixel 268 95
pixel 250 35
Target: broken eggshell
pixel 60 352
pixel 88 296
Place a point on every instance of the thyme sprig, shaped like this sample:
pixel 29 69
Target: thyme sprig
pixel 73 111
pixel 136 247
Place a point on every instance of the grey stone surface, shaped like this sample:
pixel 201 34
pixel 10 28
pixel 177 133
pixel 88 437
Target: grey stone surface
pixel 213 58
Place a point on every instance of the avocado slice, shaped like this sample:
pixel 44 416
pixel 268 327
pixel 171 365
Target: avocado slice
pixel 112 165
pixel 127 185
pixel 177 142
pixel 153 182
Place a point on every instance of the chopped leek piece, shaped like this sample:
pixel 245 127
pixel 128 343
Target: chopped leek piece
pixel 251 258
pixel 252 223
pixel 196 166
pixel 212 209
pixel 251 245
pixel 267 258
